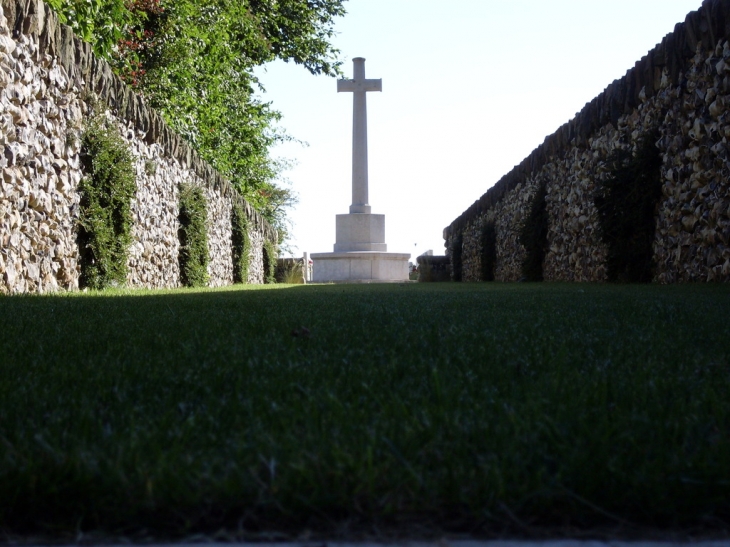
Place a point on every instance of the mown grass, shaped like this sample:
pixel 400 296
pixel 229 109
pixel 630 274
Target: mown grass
pixel 459 407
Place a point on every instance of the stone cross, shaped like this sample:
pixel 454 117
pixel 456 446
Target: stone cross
pixel 358 86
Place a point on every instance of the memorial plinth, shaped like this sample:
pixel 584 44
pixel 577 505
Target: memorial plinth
pixel 360 250
pixel 360 267
pixel 360 232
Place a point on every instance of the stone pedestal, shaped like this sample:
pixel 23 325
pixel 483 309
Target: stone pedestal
pixel 360 254
pixel 360 267
pixel 360 232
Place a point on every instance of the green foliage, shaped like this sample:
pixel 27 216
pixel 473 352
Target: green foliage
pixel 194 60
pixel 101 22
pixel 193 236
pixel 488 250
pixel 199 74
pixel 533 236
pixel 290 271
pixel 279 199
pixel 241 243
pixel 457 250
pixel 270 254
pixel 298 31
pixel 626 203
pixel 105 218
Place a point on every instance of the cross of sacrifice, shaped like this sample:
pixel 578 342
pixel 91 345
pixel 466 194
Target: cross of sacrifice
pixel 358 86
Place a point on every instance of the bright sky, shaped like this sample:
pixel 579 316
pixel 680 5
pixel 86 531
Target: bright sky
pixel 470 88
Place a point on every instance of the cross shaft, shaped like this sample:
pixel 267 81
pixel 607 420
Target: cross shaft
pixel 358 86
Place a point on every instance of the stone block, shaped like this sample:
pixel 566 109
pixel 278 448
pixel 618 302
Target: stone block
pixel 360 267
pixel 360 232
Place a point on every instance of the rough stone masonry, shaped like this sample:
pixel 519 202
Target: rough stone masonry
pixel 47 80
pixel 682 87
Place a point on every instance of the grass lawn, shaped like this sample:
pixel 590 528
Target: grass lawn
pixel 465 408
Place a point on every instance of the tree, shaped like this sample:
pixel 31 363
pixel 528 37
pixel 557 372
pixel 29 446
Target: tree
pixel 194 59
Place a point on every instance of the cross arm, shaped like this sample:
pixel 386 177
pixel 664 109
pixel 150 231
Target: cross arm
pixel 361 85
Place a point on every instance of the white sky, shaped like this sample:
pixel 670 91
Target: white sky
pixel 470 88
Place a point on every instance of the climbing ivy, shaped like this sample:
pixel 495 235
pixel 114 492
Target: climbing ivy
pixel 241 244
pixel 626 201
pixel 270 254
pixel 193 236
pixel 105 219
pixel 533 236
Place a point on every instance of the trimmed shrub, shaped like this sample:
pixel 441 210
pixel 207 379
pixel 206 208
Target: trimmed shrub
pixel 193 236
pixel 240 243
pixel 457 249
pixel 627 201
pixel 489 251
pixel 533 236
pixel 105 218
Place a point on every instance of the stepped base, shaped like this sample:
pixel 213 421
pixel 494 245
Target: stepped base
pixel 360 267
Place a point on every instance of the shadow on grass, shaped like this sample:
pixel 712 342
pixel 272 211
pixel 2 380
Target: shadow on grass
pixel 459 407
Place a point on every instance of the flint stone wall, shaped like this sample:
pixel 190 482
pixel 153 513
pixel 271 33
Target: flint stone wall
pixel 47 79
pixel 682 87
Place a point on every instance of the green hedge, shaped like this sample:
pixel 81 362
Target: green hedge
pixel 270 255
pixel 193 235
pixel 105 218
